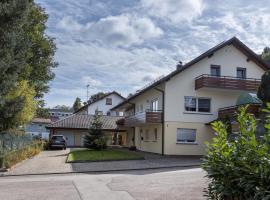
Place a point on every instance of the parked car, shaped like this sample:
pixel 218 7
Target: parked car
pixel 57 141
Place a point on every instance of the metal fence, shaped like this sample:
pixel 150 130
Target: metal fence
pixel 12 142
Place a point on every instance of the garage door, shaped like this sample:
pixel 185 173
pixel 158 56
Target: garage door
pixel 70 138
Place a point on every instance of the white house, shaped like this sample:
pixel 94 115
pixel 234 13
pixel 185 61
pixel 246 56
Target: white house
pixel 172 115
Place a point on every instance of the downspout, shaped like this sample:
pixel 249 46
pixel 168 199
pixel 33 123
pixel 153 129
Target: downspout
pixel 163 121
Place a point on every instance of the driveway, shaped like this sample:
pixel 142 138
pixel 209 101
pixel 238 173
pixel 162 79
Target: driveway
pixel 55 162
pixel 185 184
pixel 52 161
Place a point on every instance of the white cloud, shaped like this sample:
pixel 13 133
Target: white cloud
pixel 121 30
pixel 91 81
pixel 176 11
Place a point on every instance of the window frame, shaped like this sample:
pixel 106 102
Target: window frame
pixel 186 142
pixel 243 69
pixel 215 67
pixel 108 101
pixel 197 105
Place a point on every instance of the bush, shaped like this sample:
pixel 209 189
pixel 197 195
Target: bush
pixel 238 169
pixel 13 157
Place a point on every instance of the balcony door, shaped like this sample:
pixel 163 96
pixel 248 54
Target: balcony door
pixel 215 70
pixel 154 105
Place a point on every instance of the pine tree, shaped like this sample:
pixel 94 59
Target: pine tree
pixel 95 139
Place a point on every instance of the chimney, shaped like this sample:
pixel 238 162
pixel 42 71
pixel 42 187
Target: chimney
pixel 179 65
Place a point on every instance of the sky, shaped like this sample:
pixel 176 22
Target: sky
pixel 122 45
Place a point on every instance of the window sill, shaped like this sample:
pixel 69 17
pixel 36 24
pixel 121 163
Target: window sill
pixel 187 143
pixel 198 113
pixel 150 141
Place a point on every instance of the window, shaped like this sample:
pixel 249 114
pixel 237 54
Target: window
pixel 108 113
pixel 141 108
pixel 154 105
pixel 190 104
pixel 203 105
pixel 241 73
pixel 215 70
pixel 108 101
pixel 186 135
pixel 155 134
pixel 194 104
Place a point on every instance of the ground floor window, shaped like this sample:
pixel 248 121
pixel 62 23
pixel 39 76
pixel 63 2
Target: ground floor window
pixel 185 135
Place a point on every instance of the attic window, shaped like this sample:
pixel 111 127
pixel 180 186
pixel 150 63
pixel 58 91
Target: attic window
pixel 108 101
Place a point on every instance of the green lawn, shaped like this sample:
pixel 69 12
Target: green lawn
pixel 105 155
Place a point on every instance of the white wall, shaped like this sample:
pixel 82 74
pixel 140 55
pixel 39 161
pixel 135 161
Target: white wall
pixel 101 105
pixel 183 84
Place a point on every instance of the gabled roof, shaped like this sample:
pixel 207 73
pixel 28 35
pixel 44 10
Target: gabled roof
pixel 41 120
pixel 233 41
pixel 77 121
pixel 106 95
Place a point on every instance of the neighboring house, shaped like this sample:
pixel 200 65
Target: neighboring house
pixel 56 114
pixel 37 127
pixel 172 116
pixel 103 105
pixel 75 127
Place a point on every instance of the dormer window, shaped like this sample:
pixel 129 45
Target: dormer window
pixel 215 70
pixel 108 101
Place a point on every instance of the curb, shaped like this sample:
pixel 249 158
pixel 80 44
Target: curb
pixel 105 171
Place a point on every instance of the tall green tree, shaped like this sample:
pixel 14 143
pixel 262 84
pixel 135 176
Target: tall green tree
pixel 77 104
pixel 26 60
pixel 95 139
pixel 263 92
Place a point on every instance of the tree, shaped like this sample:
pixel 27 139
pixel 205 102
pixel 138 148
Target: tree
pixel 95 139
pixel 77 104
pixel 26 60
pixel 63 108
pixel 25 111
pixel 41 110
pixel 96 96
pixel 264 88
pixel 266 54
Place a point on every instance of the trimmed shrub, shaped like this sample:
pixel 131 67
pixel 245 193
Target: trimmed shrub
pixel 238 169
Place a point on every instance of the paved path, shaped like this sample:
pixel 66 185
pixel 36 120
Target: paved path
pixel 141 185
pixel 54 162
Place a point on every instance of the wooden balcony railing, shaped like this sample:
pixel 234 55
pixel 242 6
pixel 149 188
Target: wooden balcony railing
pixel 142 118
pixel 232 111
pixel 227 82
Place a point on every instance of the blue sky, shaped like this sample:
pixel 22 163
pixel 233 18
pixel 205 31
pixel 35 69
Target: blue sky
pixel 122 44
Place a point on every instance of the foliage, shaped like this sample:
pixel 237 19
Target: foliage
pixel 25 108
pixel 96 136
pixel 77 104
pixel 238 169
pixel 266 54
pixel 264 89
pixel 26 60
pixel 96 96
pixel 42 112
pixel 13 157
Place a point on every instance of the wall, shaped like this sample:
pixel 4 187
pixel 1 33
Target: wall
pixel 101 105
pixel 203 133
pixel 150 145
pixel 183 84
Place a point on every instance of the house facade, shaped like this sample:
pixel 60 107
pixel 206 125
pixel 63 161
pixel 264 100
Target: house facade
pixel 103 105
pixel 75 126
pixel 172 116
pixel 37 128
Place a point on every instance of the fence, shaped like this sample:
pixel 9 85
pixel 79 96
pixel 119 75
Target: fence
pixel 12 142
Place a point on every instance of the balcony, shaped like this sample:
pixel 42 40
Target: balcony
pixel 226 82
pixel 151 117
pixel 232 111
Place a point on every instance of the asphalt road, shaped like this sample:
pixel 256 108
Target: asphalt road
pixel 150 184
